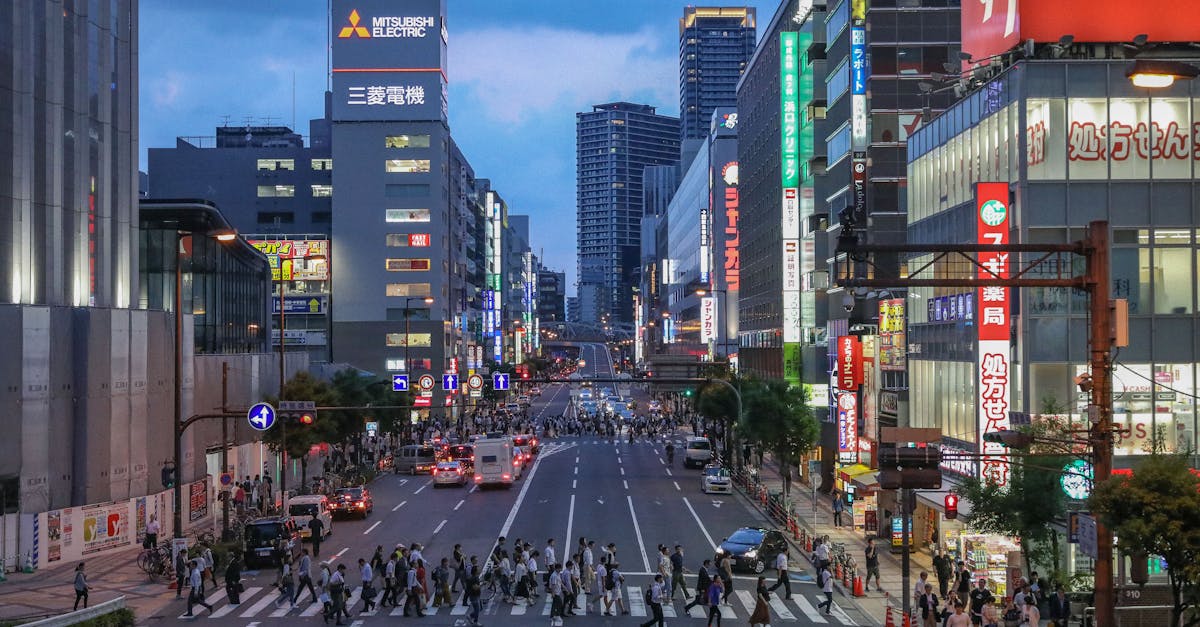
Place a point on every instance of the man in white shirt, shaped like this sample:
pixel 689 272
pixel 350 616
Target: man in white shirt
pixel 918 591
pixel 821 556
pixel 781 568
pixel 554 588
pixel 532 567
pixel 657 594
pixel 664 565
pixel 599 591
pixel 196 581
pixel 589 567
pixel 614 595
pixel 413 586
pixel 368 576
pixel 548 555
pixel 152 529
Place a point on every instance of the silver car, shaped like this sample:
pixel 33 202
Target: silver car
pixel 449 473
pixel 716 479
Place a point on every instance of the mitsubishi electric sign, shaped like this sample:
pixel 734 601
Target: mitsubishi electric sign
pixel 389 60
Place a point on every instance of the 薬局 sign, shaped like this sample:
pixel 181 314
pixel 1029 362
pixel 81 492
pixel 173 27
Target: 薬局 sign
pixel 850 357
pixel 992 322
pixel 708 319
pixel 847 417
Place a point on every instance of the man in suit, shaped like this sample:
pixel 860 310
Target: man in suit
pixel 1060 607
pixel 928 604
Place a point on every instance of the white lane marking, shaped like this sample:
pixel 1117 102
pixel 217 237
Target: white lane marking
pixel 694 515
pixel 625 483
pixel 422 488
pixel 622 472
pixel 573 481
pixel 372 527
pixel 439 527
pixel 662 461
pixel 570 521
pixel 341 552
pixel 638 529
pixel 576 459
pixel 669 473
pixel 460 504
pixel 516 506
pixel 677 489
pixel 399 506
pixel 473 488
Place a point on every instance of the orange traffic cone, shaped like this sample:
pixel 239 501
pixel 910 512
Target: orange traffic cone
pixel 907 621
pixel 889 620
pixel 858 587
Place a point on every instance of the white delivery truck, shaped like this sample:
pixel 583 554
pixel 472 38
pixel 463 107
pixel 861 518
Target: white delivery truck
pixel 494 461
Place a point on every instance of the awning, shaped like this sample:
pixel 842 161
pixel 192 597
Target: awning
pixel 867 481
pixel 848 473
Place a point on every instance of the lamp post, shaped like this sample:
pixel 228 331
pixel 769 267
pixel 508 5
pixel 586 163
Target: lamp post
pixel 177 488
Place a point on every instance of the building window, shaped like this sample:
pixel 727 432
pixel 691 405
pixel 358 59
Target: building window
pixel 276 217
pixel 276 191
pixel 402 240
pixel 407 166
pixel 322 164
pixel 406 141
pixel 400 190
pixel 276 164
pixel 407 215
pixel 407 265
pixel 322 217
pixel 394 365
pixel 419 340
pixel 408 289
pixel 322 191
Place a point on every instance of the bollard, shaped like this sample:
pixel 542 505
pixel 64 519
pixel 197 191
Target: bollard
pixel 889 620
pixel 808 544
pixel 28 563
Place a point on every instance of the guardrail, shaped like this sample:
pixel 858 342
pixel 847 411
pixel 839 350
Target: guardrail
pixel 79 616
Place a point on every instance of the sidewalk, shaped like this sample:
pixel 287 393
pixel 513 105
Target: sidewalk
pixel 820 523
pixel 49 591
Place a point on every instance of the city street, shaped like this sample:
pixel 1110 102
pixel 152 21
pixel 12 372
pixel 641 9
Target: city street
pixel 579 486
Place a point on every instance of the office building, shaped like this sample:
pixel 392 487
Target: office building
pixel 715 43
pixel 614 144
pixel 551 304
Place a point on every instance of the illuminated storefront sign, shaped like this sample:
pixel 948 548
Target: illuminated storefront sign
pixel 296 260
pixel 789 81
pixel 705 249
pixel 850 359
pixel 708 319
pixel 993 385
pixel 733 264
pixel 790 222
pixel 847 417
pixel 892 347
pixel 493 303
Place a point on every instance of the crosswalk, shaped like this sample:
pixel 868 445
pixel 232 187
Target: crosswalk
pixel 259 603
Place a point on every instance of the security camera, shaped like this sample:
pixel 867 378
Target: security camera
pixel 848 302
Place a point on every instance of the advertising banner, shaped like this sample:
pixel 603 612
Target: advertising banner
pixel 295 260
pixel 789 82
pixel 893 349
pixel 105 526
pixel 850 358
pixel 708 319
pixel 847 417
pixel 993 385
pixel 197 500
pixel 304 305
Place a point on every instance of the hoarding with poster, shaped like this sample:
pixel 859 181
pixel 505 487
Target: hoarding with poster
pixel 197 500
pixel 992 322
pixel 105 526
pixel 295 260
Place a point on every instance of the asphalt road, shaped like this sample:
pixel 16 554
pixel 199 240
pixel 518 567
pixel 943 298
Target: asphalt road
pixel 578 486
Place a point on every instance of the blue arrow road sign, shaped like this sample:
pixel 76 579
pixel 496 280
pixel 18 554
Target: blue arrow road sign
pixel 449 382
pixel 399 383
pixel 500 381
pixel 261 416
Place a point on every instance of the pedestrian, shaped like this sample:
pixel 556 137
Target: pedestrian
pixel 152 529
pixel 959 618
pixel 196 593
pixel 367 578
pixel 762 613
pixel 389 582
pixel 928 605
pixel 473 591
pixel 703 580
pixel 980 596
pixel 781 568
pixel 210 564
pixel 617 580
pixel 677 573
pixel 304 574
pixel 838 506
pixel 820 556
pixel 600 590
pixel 825 581
pixel 287 583
pixel 413 588
pixel 316 533
pixel 460 568
pixel 441 584
pixel 726 569
pixel 324 597
pixel 964 580
pixel 656 596
pixel 555 590
pixel 571 587
pixel 233 579
pixel 81 587
pixel 181 572
pixel 716 590
pixel 1032 615
pixel 589 566
pixel 944 567
pixel 919 590
pixel 872 555
pixel 1060 607
pixel 337 595
pixel 664 565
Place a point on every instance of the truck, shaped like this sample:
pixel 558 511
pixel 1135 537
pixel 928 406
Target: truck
pixel 495 461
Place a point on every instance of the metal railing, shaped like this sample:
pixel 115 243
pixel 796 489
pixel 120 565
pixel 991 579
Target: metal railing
pixel 79 616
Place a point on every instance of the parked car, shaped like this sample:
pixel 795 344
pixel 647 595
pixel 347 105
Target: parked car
pixel 716 479
pixel 266 540
pixel 307 507
pixel 753 548
pixel 449 473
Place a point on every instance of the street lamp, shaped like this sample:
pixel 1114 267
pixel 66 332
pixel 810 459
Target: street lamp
pixel 177 488
pixel 1158 73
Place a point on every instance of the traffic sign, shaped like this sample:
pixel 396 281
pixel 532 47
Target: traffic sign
pixel 500 380
pixel 226 479
pixel 261 416
pixel 475 382
pixel 399 383
pixel 425 382
pixel 297 405
pixel 372 427
pixel 422 401
pixel 449 381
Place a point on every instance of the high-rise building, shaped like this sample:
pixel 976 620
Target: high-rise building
pixel 614 144
pixel 551 303
pixel 715 43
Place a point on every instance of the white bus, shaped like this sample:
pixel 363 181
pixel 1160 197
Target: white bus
pixel 494 462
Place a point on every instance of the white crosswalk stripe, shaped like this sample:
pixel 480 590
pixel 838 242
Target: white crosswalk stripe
pixel 780 609
pixel 809 609
pixel 227 608
pixel 634 598
pixel 211 599
pixel 259 605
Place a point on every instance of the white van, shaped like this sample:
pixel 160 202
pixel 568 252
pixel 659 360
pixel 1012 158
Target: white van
pixel 306 507
pixel 494 462
pixel 697 452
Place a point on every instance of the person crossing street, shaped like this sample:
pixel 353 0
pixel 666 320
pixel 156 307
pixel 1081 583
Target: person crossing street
pixel 781 568
pixel 657 595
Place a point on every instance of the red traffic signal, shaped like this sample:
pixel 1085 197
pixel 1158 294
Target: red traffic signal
pixel 306 419
pixel 951 503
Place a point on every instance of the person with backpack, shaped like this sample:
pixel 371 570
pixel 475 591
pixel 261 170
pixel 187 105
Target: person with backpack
pixel 716 590
pixel 825 581
pixel 441 584
pixel 613 585
pixel 655 593
pixel 703 580
pixel 473 590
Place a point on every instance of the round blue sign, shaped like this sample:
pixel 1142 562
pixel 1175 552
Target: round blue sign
pixel 261 416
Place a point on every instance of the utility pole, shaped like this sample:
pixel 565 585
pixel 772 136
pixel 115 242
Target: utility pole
pixel 1098 276
pixel 282 378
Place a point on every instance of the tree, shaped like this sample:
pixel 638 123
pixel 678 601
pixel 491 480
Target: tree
pixel 716 401
pixel 301 438
pixel 776 416
pixel 354 389
pixel 1154 512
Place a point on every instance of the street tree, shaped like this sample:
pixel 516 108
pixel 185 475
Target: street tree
pixel 715 401
pixel 354 389
pixel 776 417
pixel 301 438
pixel 1154 512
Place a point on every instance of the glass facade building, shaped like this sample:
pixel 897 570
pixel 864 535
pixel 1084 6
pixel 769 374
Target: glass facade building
pixel 715 43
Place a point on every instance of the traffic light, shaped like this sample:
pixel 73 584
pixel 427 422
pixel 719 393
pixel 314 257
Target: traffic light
pixel 306 418
pixel 688 393
pixel 1009 438
pixel 168 476
pixel 951 503
pixel 912 465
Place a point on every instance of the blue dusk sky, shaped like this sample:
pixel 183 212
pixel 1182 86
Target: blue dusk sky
pixel 519 71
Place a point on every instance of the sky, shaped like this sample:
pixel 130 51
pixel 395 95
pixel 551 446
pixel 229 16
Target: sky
pixel 519 70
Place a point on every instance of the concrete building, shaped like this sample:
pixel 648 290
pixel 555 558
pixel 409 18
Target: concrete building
pixel 715 43
pixel 614 144
pixel 551 304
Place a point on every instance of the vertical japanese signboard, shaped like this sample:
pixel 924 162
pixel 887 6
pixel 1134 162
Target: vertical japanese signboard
pixel 847 417
pixel 850 358
pixel 991 203
pixel 858 87
pixel 789 92
pixel 708 319
pixel 892 346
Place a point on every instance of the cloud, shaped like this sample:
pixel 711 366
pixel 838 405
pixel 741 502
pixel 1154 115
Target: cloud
pixel 166 90
pixel 521 74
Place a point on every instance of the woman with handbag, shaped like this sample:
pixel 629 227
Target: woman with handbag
pixel 762 612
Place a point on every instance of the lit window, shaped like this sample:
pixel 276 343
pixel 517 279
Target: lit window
pixel 406 141
pixel 395 364
pixel 407 166
pixel 420 340
pixel 276 164
pixel 408 239
pixel 407 215
pixel 276 191
pixel 322 164
pixel 321 191
pixel 408 289
pixel 407 265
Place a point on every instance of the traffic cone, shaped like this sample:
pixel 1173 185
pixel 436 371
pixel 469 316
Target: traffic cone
pixel 889 620
pixel 858 587
pixel 907 621
pixel 808 544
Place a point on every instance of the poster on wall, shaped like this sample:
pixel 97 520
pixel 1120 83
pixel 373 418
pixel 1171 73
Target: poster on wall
pixel 198 500
pixel 54 536
pixel 140 518
pixel 105 526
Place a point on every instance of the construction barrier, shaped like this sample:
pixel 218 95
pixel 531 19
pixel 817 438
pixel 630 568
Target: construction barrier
pixel 889 620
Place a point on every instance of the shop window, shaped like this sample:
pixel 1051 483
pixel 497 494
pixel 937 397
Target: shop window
pixel 406 265
pixel 407 289
pixel 407 215
pixel 1128 118
pixel 1172 140
pixel 407 166
pixel 276 191
pixel 1044 139
pixel 1173 280
pixel 1087 139
pixel 418 340
pixel 406 141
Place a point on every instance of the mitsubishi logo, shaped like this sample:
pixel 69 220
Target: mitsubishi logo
pixel 354 29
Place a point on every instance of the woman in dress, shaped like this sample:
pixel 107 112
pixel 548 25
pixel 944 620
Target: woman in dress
pixel 762 612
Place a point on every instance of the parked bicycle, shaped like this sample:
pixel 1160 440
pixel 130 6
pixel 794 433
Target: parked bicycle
pixel 156 562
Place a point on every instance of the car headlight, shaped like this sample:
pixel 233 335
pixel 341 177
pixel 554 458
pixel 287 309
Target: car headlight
pixel 720 551
pixel 751 554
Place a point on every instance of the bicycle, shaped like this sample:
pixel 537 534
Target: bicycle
pixel 156 562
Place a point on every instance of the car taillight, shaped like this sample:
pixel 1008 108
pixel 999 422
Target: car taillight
pixel 506 476
pixel 460 471
pixel 434 472
pixel 478 478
